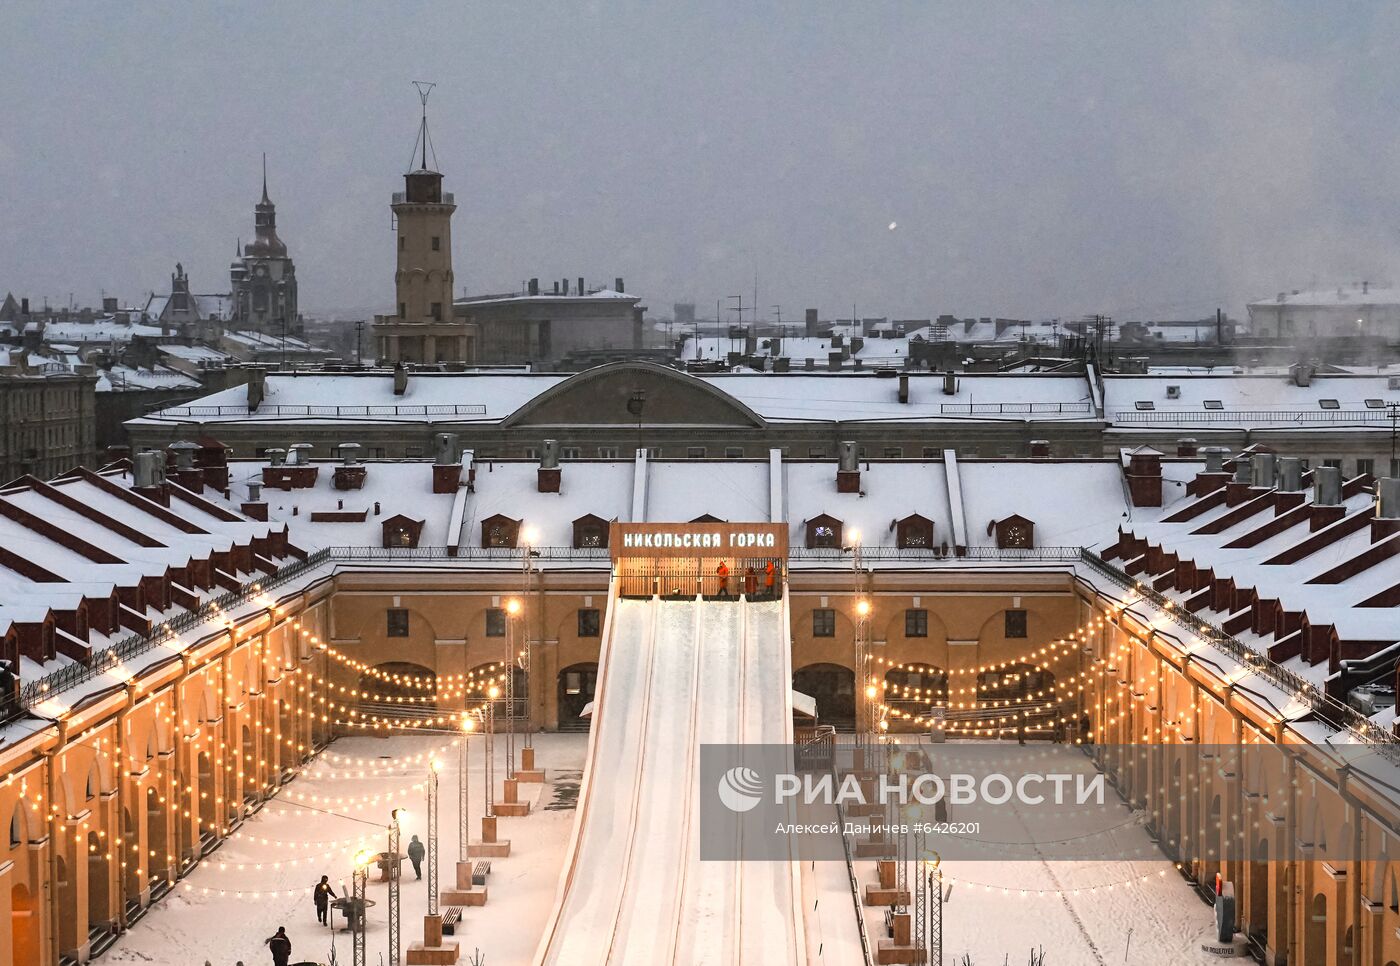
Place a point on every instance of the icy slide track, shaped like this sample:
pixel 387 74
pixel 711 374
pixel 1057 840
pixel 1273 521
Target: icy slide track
pixel 672 676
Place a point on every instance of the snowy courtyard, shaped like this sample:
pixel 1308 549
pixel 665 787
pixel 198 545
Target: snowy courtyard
pixel 262 877
pixel 1081 913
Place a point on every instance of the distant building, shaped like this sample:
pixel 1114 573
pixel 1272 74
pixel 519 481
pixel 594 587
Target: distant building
pixel 263 278
pixel 47 417
pixel 185 313
pixel 424 328
pixel 1347 311
pixel 544 329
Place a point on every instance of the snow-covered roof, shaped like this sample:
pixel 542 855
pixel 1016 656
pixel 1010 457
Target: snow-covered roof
pixel 103 330
pixel 262 340
pixel 1342 295
pixel 1243 399
pixel 125 378
pixel 601 295
pixel 196 353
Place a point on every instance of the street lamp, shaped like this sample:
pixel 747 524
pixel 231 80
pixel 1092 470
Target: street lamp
pixel 492 693
pixel 395 817
pixel 433 768
pixel 463 788
pixel 513 610
pixel 359 875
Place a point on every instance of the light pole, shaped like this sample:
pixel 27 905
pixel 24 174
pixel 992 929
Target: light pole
pixel 433 768
pixel 513 609
pixel 358 877
pixel 463 788
pixel 394 887
pixel 492 693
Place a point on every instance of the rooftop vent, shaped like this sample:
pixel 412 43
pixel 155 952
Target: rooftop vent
pixel 848 471
pixel 276 456
pixel 1243 473
pixel 1290 474
pixel 550 475
pixel 184 452
pixel 149 469
pixel 1262 466
pixel 1388 499
pixel 950 383
pixel 1328 483
pixel 349 453
pixel 1173 392
pixel 447 449
pixel 1215 458
pixel 299 454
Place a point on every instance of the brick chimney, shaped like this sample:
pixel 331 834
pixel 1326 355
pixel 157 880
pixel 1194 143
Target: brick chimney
pixel 400 379
pixel 350 474
pixel 257 387
pixel 1214 476
pixel 904 387
pixel 1040 449
pixel 447 463
pixel 1145 476
pixel 848 472
pixel 1186 448
pixel 549 472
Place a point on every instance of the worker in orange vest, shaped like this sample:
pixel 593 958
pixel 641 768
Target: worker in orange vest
pixel 722 572
pixel 768 579
pixel 750 582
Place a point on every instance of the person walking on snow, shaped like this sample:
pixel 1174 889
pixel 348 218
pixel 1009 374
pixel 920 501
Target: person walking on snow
pixel 323 894
pixel 415 855
pixel 280 945
pixel 722 572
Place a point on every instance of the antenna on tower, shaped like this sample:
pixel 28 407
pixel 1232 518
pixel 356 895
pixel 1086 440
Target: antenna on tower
pixel 424 89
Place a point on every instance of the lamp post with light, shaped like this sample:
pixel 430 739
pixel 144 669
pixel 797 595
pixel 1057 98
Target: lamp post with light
pixel 394 884
pixel 492 693
pixel 464 788
pixel 513 611
pixel 433 767
pixel 359 875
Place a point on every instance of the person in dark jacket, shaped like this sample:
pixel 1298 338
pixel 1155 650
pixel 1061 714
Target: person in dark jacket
pixel 280 945
pixel 415 855
pixel 323 895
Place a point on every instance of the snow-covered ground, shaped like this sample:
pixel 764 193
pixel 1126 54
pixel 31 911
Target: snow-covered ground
pixel 289 846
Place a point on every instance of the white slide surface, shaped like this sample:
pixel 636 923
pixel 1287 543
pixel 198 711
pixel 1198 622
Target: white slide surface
pixel 675 674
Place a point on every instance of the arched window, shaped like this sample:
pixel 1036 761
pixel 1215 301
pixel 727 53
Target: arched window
pixel 17 826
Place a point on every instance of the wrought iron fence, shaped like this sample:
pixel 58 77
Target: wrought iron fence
pixel 279 409
pixel 1016 409
pixel 1235 416
pixel 1335 713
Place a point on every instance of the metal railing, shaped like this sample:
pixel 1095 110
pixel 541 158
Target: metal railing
pixel 1016 409
pixel 1335 713
pixel 110 658
pixel 602 554
pixel 351 554
pixel 930 554
pixel 1233 416
pixel 369 412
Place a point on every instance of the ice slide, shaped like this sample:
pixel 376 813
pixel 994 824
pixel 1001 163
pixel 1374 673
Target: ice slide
pixel 673 675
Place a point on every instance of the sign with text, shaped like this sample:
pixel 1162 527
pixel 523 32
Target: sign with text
pixel 652 540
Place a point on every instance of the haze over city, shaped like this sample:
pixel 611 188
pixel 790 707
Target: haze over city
pixel 1035 161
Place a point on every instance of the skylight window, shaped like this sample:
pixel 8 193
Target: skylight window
pixel 1375 404
pixel 1213 404
pixel 1145 404
pixel 1329 404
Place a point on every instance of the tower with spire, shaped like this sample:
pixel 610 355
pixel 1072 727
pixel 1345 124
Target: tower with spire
pixel 423 328
pixel 263 276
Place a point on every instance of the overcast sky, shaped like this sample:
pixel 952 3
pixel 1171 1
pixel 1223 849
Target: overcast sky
pixel 1050 160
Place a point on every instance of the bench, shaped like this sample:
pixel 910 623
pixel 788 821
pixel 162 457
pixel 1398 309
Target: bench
pixel 480 871
pixel 889 923
pixel 450 917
